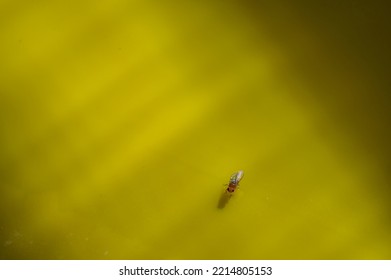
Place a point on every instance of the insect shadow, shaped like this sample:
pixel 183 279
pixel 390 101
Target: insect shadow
pixel 224 198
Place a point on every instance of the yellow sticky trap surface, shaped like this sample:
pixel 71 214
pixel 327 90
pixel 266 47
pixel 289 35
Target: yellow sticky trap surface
pixel 121 121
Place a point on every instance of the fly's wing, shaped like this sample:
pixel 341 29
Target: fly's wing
pixel 239 175
pixel 236 177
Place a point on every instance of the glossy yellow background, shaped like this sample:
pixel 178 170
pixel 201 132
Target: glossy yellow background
pixel 121 121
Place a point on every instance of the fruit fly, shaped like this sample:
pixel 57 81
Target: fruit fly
pixel 234 182
pixel 233 185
